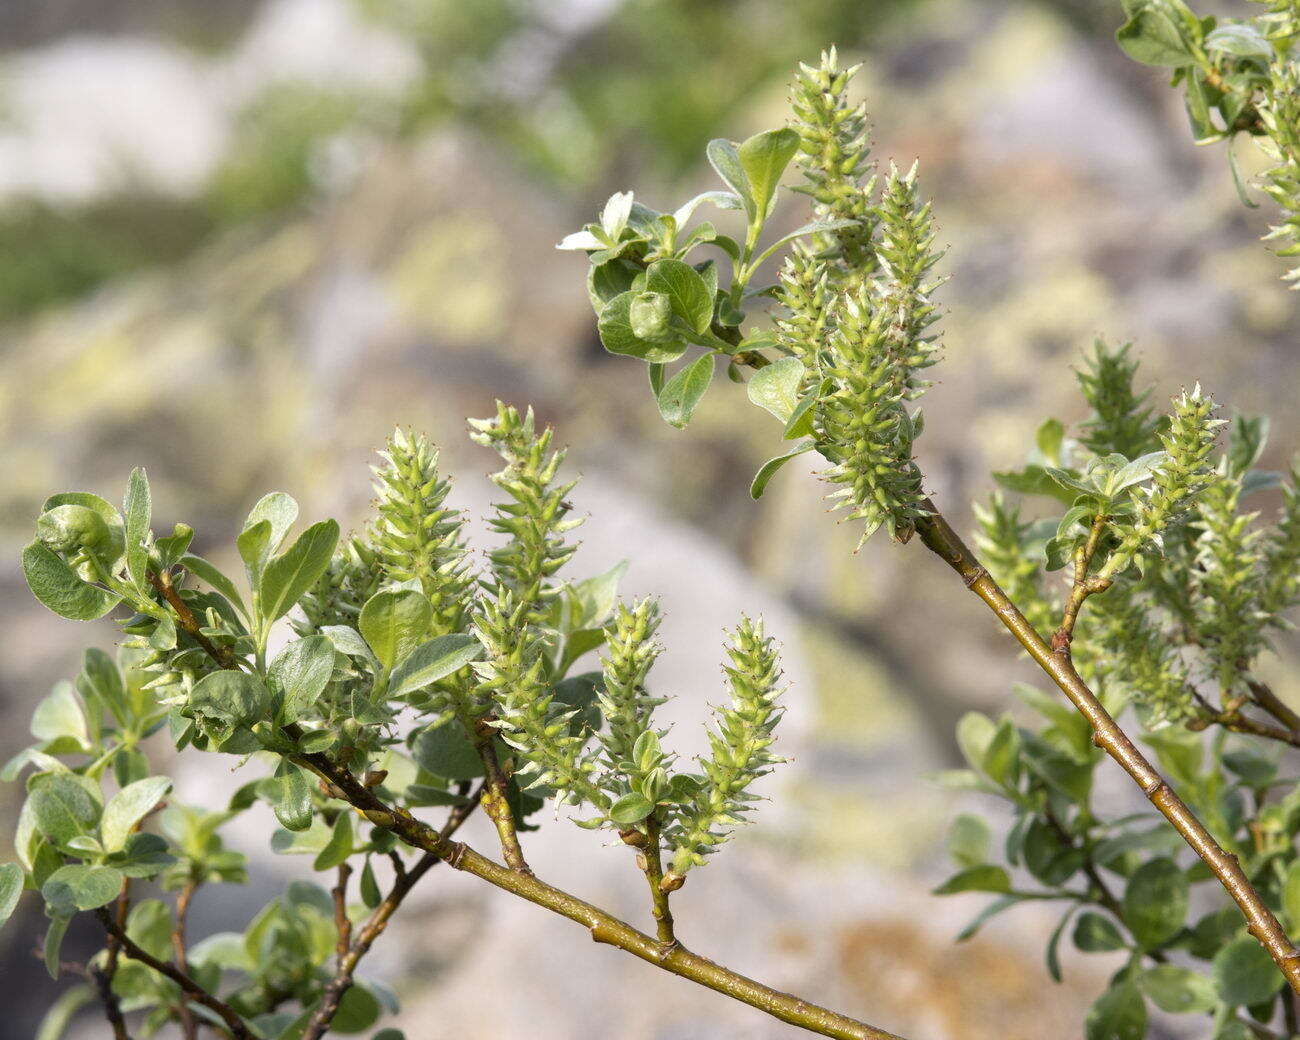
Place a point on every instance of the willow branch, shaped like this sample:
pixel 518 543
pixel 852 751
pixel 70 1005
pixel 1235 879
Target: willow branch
pixel 350 952
pixel 189 624
pixel 103 977
pixel 1273 704
pixel 941 539
pixel 188 986
pixel 651 861
pixel 603 927
pixel 189 1027
pixel 496 804
pixel 1083 586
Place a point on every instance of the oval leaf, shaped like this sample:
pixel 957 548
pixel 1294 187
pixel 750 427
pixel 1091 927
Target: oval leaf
pixel 57 586
pixel 681 394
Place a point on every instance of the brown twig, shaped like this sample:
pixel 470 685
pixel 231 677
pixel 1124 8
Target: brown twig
pixel 350 953
pixel 188 986
pixel 162 581
pixel 495 801
pixel 603 927
pixel 1082 587
pixel 103 977
pixel 189 1026
pixel 941 539
pixel 1264 696
pixel 342 923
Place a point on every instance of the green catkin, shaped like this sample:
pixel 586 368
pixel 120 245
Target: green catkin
pixel 536 517
pixel 740 749
pixel 625 704
pixel 834 154
pixel 1280 113
pixel 1183 473
pixel 1121 420
pixel 907 256
pixel 1281 567
pixel 416 536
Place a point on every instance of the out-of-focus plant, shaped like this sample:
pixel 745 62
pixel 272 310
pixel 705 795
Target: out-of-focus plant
pixel 1151 587
pixel 1238 76
pixel 417 677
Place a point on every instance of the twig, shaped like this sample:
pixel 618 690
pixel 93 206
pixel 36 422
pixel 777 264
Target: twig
pixel 603 927
pixel 495 801
pixel 103 977
pixel 162 581
pixel 188 986
pixel 1273 704
pixel 350 953
pixel 651 862
pixel 941 539
pixel 1083 586
pixel 342 924
pixel 189 1026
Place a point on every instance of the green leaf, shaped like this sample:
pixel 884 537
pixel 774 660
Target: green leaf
pixel 1118 1014
pixel 764 158
pixel 60 715
pixel 280 511
pixel 984 916
pixel 292 798
pixel 968 840
pixel 81 887
pixel 725 159
pixel 137 510
pixel 1094 933
pixel 1177 990
pixel 370 894
pixel 205 571
pixel 57 586
pixel 61 1013
pixel 617 335
pixel 11 887
pixel 1049 438
pixel 682 393
pixel 594 597
pixel 1239 39
pixel 63 808
pixel 1291 895
pixel 128 807
pixel 312 840
pixel 358 1010
pixel 631 809
pixel 1153 36
pixel 252 545
pixel 445 750
pixel 983 878
pixel 1155 902
pixel 1245 974
pixel 232 697
pixel 434 660
pixel 776 387
pixel 300 672
pixel 339 847
pixel 769 469
pixel 394 623
pixel 288 576
pixel 686 292
pixel 54 934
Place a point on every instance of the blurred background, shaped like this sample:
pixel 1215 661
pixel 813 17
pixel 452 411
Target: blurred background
pixel 239 241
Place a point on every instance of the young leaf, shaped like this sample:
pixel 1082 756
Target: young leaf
pixel 1177 990
pixel 137 510
pixel 57 586
pixel 618 337
pixel 1153 36
pixel 764 158
pixel 300 672
pixel 81 887
pixel 682 393
pixel 11 887
pixel 232 697
pixel 769 469
pixel 54 934
pixel 63 809
pixel 686 291
pixel 292 799
pixel 1155 902
pixel 394 623
pixel 1245 974
pixel 205 571
pixel 128 807
pixel 60 715
pixel 288 576
pixel 776 387
pixel 445 750
pixel 1094 933
pixel 279 511
pixel 983 878
pixel 432 661
pixel 1118 1014
pixel 631 809
pixel 725 159
pixel 339 847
